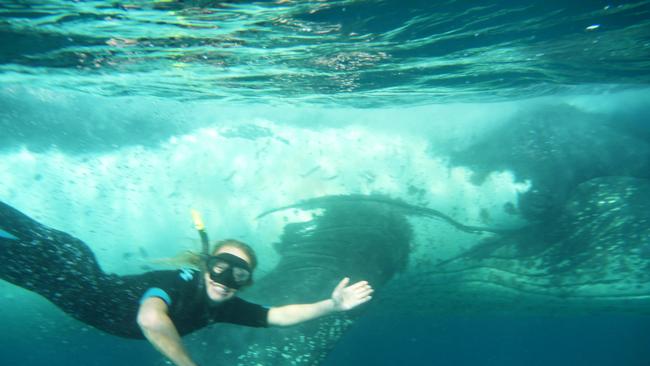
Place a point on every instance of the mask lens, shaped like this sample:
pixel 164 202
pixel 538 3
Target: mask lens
pixel 241 275
pixel 220 266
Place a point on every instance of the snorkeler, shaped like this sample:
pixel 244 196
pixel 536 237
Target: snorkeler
pixel 161 306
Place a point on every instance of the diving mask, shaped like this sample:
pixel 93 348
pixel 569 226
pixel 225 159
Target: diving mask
pixel 229 270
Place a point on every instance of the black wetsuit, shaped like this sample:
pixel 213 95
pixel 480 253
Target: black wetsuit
pixel 64 270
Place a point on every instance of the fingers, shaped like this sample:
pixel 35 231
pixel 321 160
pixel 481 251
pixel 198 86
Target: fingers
pixel 350 297
pixel 360 284
pixel 360 300
pixel 344 282
pixel 365 299
pixel 360 289
pixel 365 292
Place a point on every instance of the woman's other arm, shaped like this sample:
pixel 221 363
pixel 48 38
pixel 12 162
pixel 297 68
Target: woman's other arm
pixel 161 332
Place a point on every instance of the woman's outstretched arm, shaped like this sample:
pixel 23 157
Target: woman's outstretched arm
pixel 343 298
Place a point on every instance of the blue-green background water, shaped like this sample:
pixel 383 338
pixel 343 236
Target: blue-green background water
pixel 115 106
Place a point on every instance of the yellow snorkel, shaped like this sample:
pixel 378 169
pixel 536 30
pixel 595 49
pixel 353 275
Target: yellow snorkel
pixel 200 227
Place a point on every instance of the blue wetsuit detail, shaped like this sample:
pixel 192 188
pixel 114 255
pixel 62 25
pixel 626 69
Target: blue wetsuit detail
pixel 156 292
pixel 187 274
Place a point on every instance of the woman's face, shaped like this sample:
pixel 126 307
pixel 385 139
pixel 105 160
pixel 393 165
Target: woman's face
pixel 216 291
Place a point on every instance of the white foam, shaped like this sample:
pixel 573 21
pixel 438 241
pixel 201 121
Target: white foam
pixel 136 197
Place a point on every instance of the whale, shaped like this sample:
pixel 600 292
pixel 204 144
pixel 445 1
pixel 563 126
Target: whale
pixel 593 258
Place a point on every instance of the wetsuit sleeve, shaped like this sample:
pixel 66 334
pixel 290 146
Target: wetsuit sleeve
pixel 245 313
pixel 157 292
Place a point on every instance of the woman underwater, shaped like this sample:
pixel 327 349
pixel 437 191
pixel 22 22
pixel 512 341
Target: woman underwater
pixel 161 306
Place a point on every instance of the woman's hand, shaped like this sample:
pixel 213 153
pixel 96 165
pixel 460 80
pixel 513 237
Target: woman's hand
pixel 349 297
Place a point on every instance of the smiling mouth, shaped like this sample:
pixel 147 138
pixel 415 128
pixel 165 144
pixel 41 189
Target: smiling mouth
pixel 220 288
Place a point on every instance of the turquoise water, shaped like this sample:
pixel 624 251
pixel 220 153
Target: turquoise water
pixel 116 118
